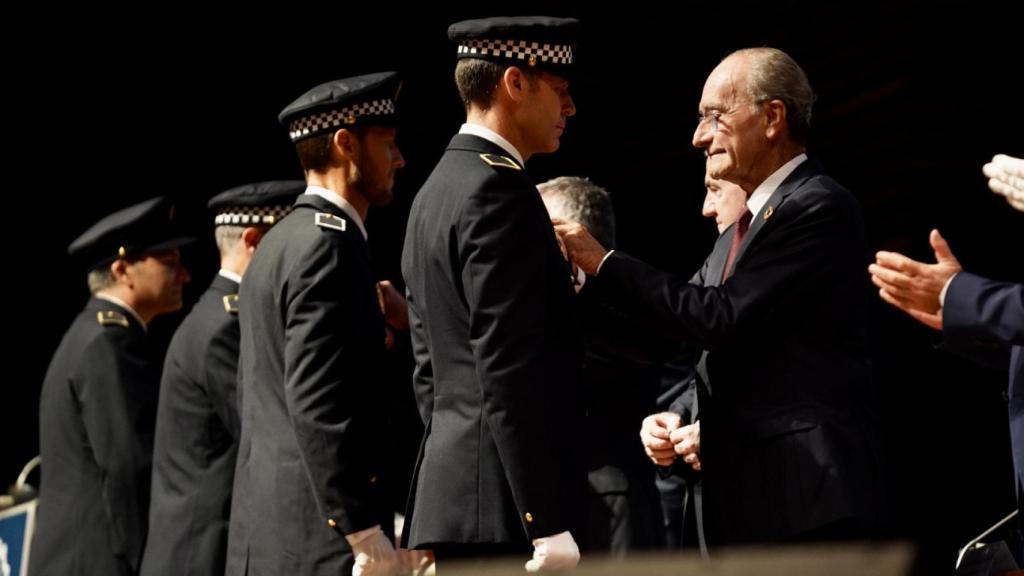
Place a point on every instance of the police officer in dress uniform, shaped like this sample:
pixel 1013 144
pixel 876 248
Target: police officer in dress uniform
pixel 491 313
pixel 98 404
pixel 197 425
pixel 309 497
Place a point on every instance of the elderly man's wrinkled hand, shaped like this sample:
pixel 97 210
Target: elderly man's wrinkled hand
pixel 656 436
pixel 686 441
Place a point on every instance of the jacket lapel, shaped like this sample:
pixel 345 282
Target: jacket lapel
pixel 795 180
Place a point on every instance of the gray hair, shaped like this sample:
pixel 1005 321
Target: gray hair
pixel 774 75
pixel 100 279
pixel 227 238
pixel 581 200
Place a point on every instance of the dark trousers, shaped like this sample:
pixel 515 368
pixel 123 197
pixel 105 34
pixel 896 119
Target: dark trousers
pixel 627 521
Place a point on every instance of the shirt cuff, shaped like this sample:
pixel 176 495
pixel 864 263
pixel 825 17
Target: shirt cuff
pixel 602 262
pixel 942 295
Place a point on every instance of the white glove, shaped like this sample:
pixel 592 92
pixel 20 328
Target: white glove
pixel 1006 177
pixel 558 552
pixel 374 553
pixel 415 562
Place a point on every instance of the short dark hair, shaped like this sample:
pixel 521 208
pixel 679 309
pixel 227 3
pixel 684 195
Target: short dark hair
pixel 477 80
pixel 315 153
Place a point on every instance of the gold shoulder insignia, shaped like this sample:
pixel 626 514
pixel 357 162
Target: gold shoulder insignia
pixel 325 220
pixel 111 318
pixel 499 160
pixel 231 303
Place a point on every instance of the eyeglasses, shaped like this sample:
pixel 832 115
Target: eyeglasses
pixel 713 116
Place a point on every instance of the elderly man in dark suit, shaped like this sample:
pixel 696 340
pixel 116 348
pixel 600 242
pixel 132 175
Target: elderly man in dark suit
pixel 197 417
pixel 98 406
pixel 491 312
pixel 788 441
pixel 309 490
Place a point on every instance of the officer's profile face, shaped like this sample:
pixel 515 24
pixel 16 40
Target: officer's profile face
pixel 378 160
pixel 547 106
pixel 156 280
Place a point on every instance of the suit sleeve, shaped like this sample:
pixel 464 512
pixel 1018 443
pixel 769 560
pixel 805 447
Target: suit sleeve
pixel 323 323
pixel 423 373
pixel 503 248
pixel 114 408
pixel 678 389
pixel 982 318
pixel 222 377
pixel 792 264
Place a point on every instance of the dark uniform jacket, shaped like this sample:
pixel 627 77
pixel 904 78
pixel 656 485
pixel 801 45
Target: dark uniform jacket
pixel 497 353
pixel 196 440
pixel 96 419
pixel 788 441
pixel 312 335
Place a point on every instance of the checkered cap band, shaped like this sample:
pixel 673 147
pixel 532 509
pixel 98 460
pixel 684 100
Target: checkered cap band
pixel 330 119
pixel 249 215
pixel 519 50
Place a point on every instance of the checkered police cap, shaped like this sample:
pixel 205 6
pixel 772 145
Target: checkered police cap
pixel 529 52
pixel 532 40
pixel 362 100
pixel 258 203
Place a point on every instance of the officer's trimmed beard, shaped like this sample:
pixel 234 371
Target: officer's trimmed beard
pixel 367 179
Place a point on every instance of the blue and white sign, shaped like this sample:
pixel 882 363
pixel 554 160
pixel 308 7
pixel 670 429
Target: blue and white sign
pixel 16 526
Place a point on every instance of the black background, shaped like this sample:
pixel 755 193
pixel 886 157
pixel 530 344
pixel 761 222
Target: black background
pixel 108 109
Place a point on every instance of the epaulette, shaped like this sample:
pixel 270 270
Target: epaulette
pixel 231 303
pixel 501 161
pixel 326 220
pixel 111 318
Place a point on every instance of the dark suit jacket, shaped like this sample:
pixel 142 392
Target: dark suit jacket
pixel 196 440
pixel 497 356
pixel 96 419
pixel 312 335
pixel 984 319
pixel 789 443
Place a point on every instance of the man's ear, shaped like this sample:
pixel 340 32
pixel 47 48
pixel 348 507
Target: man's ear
pixel 344 144
pixel 251 237
pixel 119 270
pixel 775 118
pixel 514 83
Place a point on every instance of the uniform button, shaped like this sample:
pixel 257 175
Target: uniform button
pixel 332 523
pixel 529 517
